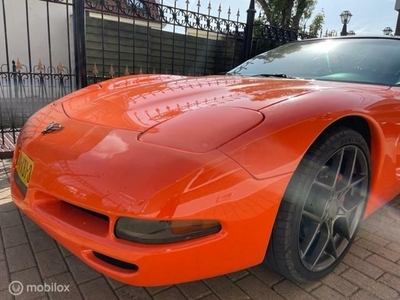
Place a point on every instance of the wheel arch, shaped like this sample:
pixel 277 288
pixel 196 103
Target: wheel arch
pixel 370 130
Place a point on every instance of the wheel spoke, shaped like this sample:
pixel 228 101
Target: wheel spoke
pixel 348 166
pixel 347 219
pixel 309 239
pixel 360 178
pixel 355 207
pixel 319 248
pixel 336 165
pixel 323 185
pixel 334 251
pixel 311 216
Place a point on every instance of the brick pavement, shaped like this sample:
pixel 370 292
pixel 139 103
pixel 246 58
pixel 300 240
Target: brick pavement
pixel 371 269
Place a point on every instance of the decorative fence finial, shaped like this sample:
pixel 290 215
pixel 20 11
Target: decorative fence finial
pixel 95 71
pixel 40 66
pixel 126 73
pixel 112 73
pixel 18 65
pixel 60 67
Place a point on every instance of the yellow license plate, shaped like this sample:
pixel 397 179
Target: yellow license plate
pixel 24 168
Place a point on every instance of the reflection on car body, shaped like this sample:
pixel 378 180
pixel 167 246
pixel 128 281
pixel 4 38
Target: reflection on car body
pixel 159 179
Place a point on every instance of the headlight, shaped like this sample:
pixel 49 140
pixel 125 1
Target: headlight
pixel 161 232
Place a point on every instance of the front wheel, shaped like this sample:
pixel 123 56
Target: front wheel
pixel 322 207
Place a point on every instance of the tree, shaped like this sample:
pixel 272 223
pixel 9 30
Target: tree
pixel 316 25
pixel 288 13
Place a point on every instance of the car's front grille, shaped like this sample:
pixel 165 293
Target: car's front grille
pixel 93 213
pixel 78 217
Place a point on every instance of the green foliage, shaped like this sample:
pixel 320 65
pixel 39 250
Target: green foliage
pixel 316 25
pixel 289 14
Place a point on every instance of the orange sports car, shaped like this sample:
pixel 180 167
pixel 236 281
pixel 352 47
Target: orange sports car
pixel 160 179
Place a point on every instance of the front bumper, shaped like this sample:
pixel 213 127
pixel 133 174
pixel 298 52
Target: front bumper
pixel 238 245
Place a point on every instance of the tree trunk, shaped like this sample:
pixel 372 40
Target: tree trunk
pixel 287 13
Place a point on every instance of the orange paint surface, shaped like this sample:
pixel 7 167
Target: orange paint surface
pixel 181 148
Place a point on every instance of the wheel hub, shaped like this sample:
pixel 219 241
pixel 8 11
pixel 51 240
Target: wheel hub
pixel 332 210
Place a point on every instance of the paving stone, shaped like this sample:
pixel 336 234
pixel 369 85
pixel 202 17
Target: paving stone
pixel 237 275
pixel 32 283
pixel 391 281
pixel 380 218
pixel 363 266
pixel 2 255
pixel 170 294
pixel 5 295
pixel 50 262
pixel 367 227
pixel 256 289
pixel 363 295
pixel 114 283
pixel 30 226
pixel 358 251
pixel 20 258
pixel 10 219
pixel 6 204
pixel 4 276
pixel 2 252
pixel 389 235
pixel 373 237
pixel 394 247
pixel 157 289
pixel 382 251
pixel 266 275
pixel 309 286
pixel 339 284
pixel 289 290
pixel 80 270
pixel 64 251
pixel 14 236
pixel 210 297
pixel 194 290
pixel 4 182
pixel 41 241
pixel 61 280
pixel 340 268
pixel 384 264
pixel 225 289
pixel 379 290
pixel 388 214
pixel 129 292
pixel 97 289
pixel 326 293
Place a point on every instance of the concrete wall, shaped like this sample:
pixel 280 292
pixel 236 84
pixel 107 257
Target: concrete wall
pixel 16 26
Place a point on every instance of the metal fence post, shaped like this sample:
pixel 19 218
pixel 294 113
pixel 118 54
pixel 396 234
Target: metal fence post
pixel 248 34
pixel 80 43
pixel 14 77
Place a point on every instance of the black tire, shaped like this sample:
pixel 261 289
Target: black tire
pixel 322 207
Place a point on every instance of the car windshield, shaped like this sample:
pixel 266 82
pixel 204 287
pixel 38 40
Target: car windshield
pixel 361 60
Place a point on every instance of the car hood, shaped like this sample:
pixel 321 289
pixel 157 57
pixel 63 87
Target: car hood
pixel 143 101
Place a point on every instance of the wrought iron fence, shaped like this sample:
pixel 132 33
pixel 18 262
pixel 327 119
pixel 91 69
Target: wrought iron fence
pixel 68 44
